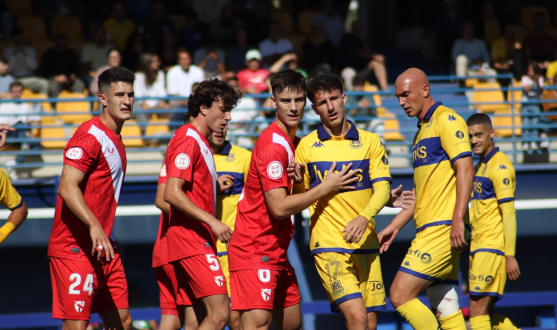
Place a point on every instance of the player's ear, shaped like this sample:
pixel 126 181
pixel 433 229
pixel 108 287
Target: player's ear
pixel 344 98
pixel 491 133
pixel 273 102
pixel 102 99
pixel 203 109
pixel 425 91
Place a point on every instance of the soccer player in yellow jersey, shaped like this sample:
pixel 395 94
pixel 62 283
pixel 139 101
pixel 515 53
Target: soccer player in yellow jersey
pixel 233 161
pixel 443 172
pixel 493 220
pixel 343 239
pixel 11 199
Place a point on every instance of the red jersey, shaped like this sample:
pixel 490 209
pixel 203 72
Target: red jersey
pixel 259 240
pixel 190 158
pixel 253 79
pixel 160 251
pixel 99 153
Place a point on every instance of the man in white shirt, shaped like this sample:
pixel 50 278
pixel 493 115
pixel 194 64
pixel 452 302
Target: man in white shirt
pixel 181 77
pixel 274 47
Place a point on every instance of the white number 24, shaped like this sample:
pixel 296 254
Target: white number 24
pixel 76 279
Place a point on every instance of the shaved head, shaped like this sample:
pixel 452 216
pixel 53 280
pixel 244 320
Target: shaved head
pixel 412 90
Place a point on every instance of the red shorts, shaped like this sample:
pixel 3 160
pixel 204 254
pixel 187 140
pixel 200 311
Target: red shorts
pixel 198 276
pixel 168 286
pixel 80 288
pixel 263 289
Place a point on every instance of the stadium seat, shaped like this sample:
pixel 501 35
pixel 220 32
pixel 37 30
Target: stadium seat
pixel 51 133
pixel 516 95
pixel 30 95
pixel 178 20
pixel 392 127
pixel 131 134
pixel 470 82
pixel 70 26
pixel 156 127
pixel 40 47
pixel 381 111
pixel 526 17
pixel 83 107
pixel 285 21
pixel 488 96
pixel 304 23
pixel 549 94
pixel 32 28
pixel 500 121
pixel 19 8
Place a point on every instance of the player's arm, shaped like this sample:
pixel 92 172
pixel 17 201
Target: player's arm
pixel 399 198
pixel 464 169
pixel 509 229
pixel 388 235
pixel 159 199
pixel 71 194
pixel 174 195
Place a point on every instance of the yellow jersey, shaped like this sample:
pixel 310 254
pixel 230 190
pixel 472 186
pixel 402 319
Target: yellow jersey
pixel 9 197
pixel 494 183
pixel 234 161
pixel 329 216
pixel 442 139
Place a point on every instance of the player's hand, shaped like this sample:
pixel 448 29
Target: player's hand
pixel 296 171
pixel 401 198
pixel 101 243
pixel 224 182
pixel 4 134
pixel 343 180
pixel 355 229
pixel 512 268
pixel 458 242
pixel 386 238
pixel 222 231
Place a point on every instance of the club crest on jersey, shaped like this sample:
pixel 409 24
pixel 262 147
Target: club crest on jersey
pixel 385 160
pixel 182 161
pixel 488 279
pixel 459 134
pixel 317 144
pixel 74 153
pixel 337 287
pixel 425 258
pixel 79 306
pixel 274 170
pixel 266 294
pixel 502 167
pixel 484 170
pixel 356 144
pixel 506 181
pixel 219 280
pixel 451 118
pixel 230 158
pixel 163 171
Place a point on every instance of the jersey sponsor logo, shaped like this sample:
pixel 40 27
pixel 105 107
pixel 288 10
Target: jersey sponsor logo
pixel 482 188
pixel 219 280
pixel 110 151
pixel 182 161
pixel 459 135
pixel 74 153
pixel 376 285
pixel 385 160
pixel 266 294
pixel 502 167
pixel 79 306
pixel 317 144
pixel 425 258
pixel 318 172
pixel 274 170
pixel 230 158
pixel 337 287
pixel 428 151
pixel 506 181
pixel 488 279
pixel 163 171
pixel 356 144
pixel 451 118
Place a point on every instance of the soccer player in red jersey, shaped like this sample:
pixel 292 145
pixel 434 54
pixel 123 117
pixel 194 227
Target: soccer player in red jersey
pixel 86 269
pixel 263 284
pixel 191 189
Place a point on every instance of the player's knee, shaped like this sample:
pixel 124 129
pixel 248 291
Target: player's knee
pixel 235 322
pixel 220 315
pixel 398 297
pixel 356 320
pixel 127 322
pixel 443 298
pixel 379 58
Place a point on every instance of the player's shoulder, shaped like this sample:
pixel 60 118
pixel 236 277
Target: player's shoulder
pixel 369 137
pixel 241 152
pixel 310 140
pixel 501 163
pixel 447 115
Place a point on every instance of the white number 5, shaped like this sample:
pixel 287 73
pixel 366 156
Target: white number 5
pixel 213 262
pixel 87 286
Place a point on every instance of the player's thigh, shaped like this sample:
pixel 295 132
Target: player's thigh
pixel 354 313
pixel 193 316
pixel 289 318
pixel 170 322
pixel 74 325
pixel 168 289
pixel 113 287
pixel 235 322
pixel 339 276
pixel 184 292
pixel 371 281
pixel 480 305
pixel 116 319
pixel 372 320
pixel 406 287
pixel 256 319
pixel 218 304
pixel 205 275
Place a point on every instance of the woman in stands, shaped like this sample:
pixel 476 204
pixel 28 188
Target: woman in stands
pixel 114 59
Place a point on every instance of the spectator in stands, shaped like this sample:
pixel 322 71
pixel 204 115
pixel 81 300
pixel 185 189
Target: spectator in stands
pixel 6 79
pixel 540 46
pixel 21 114
pixel 223 29
pixel 210 58
pixel 192 35
pixel 331 22
pixel 258 23
pixel 532 84
pixel 360 105
pixel 181 77
pixel 246 110
pixel 154 28
pixel 274 47
pixel 357 57
pixel 288 61
pixel 149 81
pixel 252 79
pixel 114 60
pixel 319 52
pixel 490 24
pixel 118 26
pixel 94 53
pixel 506 54
pixel 22 62
pixel 470 54
pixel 168 51
pixel 236 59
pixel 60 67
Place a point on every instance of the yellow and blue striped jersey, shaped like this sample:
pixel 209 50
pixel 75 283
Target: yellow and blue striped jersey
pixel 494 183
pixel 9 197
pixel 234 161
pixel 330 215
pixel 442 139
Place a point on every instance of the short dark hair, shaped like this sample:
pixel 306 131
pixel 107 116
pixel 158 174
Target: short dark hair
pixel 479 119
pixel 182 50
pixel 3 59
pixel 16 84
pixel 324 82
pixel 209 91
pixel 288 79
pixel 115 75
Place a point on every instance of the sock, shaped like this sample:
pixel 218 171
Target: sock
pixel 418 315
pixel 480 322
pixel 500 322
pixel 454 321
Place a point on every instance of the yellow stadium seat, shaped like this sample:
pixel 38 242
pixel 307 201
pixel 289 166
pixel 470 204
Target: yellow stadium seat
pixel 527 15
pixel 516 95
pixel 304 23
pixel 392 127
pixel 131 134
pixel 285 21
pixel 500 121
pixel 32 28
pixel 488 96
pixel 58 133
pixel 70 26
pixel 30 95
pixel 368 87
pixel 470 82
pixel 83 107
pixel 19 8
pixel 156 127
pixel 549 94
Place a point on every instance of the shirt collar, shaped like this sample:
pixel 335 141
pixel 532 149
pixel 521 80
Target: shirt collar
pixel 430 112
pixel 352 133
pixel 490 155
pixel 226 150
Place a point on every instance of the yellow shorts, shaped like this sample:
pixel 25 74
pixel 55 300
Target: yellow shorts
pixel 488 275
pixel 223 260
pixel 349 276
pixel 431 257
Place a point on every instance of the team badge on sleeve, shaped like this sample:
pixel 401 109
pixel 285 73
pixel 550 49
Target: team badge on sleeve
pixel 182 161
pixel 74 153
pixel 274 170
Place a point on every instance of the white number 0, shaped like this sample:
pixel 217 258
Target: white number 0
pixel 213 262
pixel 87 286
